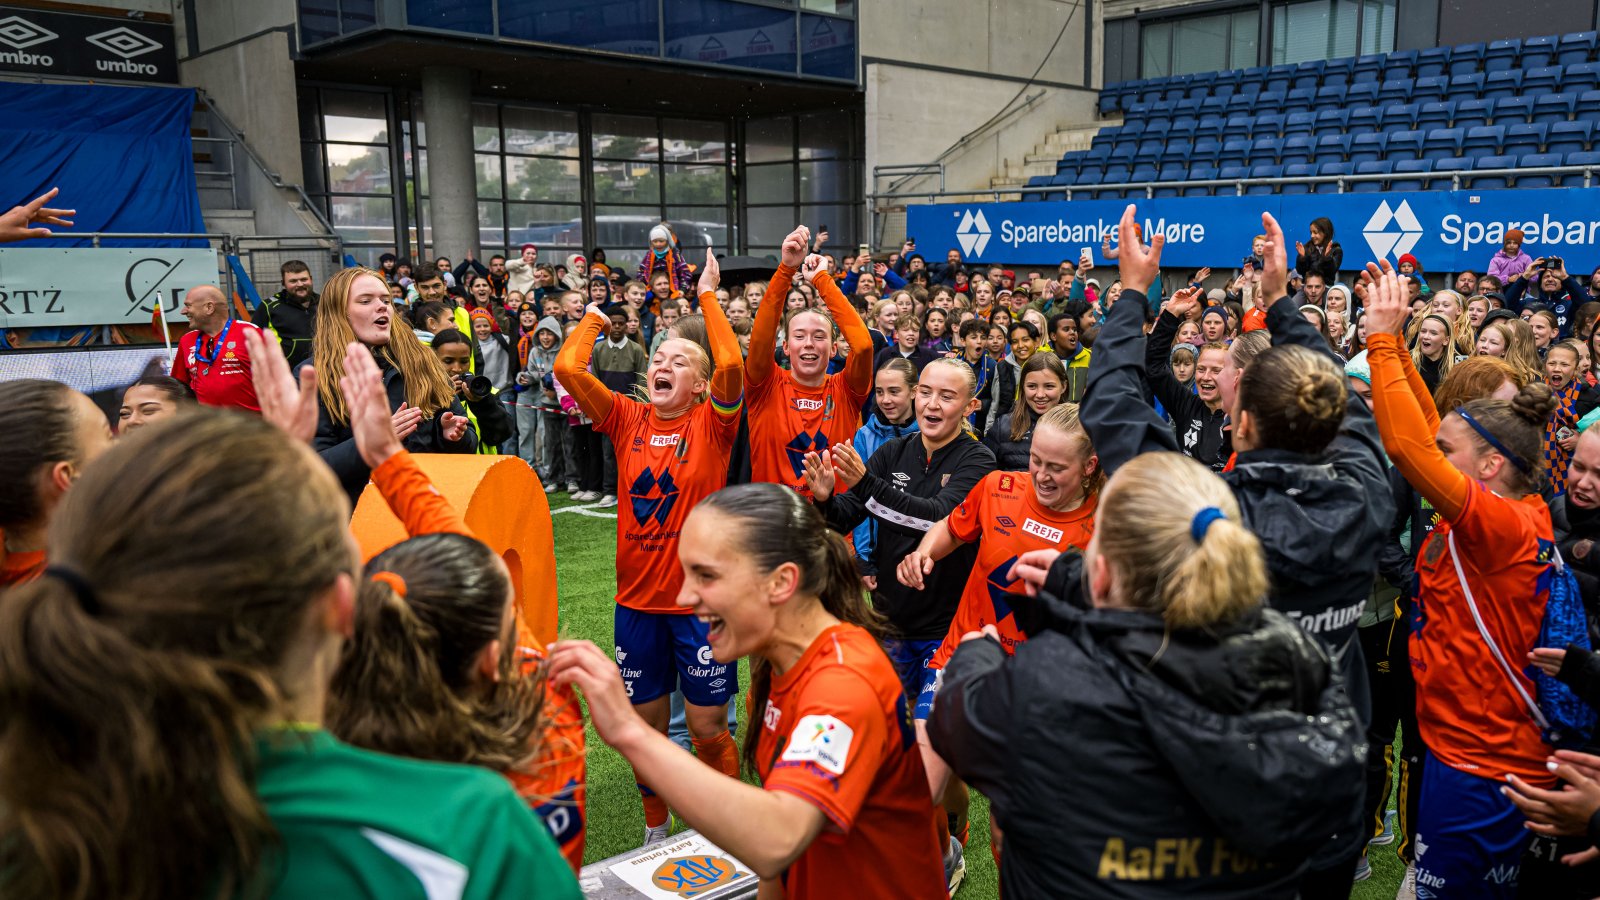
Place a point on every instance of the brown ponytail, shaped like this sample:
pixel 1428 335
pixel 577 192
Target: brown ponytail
pixel 1519 425
pixel 133 687
pixel 408 684
pixel 1295 397
pixel 776 526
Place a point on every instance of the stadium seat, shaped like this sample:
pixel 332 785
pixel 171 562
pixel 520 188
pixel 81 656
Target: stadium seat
pixel 1209 127
pixel 1436 115
pixel 1569 137
pixel 1214 106
pixel 1234 153
pixel 1197 92
pixel 1176 150
pixel 1330 169
pixel 1543 80
pixel 1278 78
pixel 1424 90
pixel 1308 75
pixel 1433 61
pixel 1362 94
pixel 1238 127
pixel 1221 91
pixel 1501 55
pixel 1265 150
pixel 1504 83
pixel 1205 151
pixel 1368 69
pixel 1364 118
pixel 1175 94
pixel 1333 147
pixel 1143 172
pixel 1539 51
pixel 1110 101
pixel 1472 113
pixel 1116 173
pixel 1297 149
pixel 1264 171
pixel 1331 95
pixel 1403 145
pixel 1581 77
pixel 1553 108
pixel 1400 64
pixel 1184 126
pixel 1447 166
pixel 1243 104
pixel 1110 193
pixel 1465 87
pixel 1511 110
pixel 1093 173
pixel 1155 128
pixel 1409 166
pixel 1123 151
pixel 1401 117
pixel 1538 161
pixel 1299 123
pixel 1200 173
pixel 1298 170
pixel 1173 172
pixel 1442 143
pixel 1337 71
pixel 1270 100
pixel 1523 139
pixel 1364 147
pixel 1588 106
pixel 1590 158
pixel 1299 99
pixel 1466 59
pixel 1395 91
pixel 1484 140
pixel 1375 167
pixel 1268 124
pixel 1575 49
pixel 1232 173
pixel 1333 119
pixel 1493 182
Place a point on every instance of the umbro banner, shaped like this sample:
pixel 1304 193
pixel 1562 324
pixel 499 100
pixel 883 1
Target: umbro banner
pixel 1448 231
pixel 47 42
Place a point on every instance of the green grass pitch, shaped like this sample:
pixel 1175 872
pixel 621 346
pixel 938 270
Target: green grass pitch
pixel 586 576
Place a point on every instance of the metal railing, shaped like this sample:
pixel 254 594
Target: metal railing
pixel 220 169
pixel 237 136
pixel 1241 185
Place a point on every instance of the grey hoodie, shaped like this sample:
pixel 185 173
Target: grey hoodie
pixel 542 362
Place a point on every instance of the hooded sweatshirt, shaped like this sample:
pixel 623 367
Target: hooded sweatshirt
pixel 1217 761
pixel 541 363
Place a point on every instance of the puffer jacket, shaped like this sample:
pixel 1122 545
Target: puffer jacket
pixel 876 432
pixel 1216 763
pixel 1011 455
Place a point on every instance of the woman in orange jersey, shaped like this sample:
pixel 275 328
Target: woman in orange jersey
pixel 48 433
pixel 803 409
pixel 843 810
pixel 1479 466
pixel 1051 506
pixel 672 450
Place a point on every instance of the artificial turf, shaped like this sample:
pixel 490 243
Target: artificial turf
pixel 586 577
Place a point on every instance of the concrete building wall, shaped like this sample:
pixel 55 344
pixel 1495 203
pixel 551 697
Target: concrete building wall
pixel 936 70
pixel 253 83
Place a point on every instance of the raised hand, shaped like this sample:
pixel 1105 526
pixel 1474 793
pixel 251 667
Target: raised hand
pixel 710 274
pixel 913 568
pixel 23 222
pixel 1183 301
pixel 286 405
pixel 814 265
pixel 1139 264
pixel 847 463
pixel 1274 262
pixel 587 667
pixel 793 252
pixel 371 423
pixel 1387 309
pixel 819 475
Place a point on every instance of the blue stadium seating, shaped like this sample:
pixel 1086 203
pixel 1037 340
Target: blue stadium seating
pixel 1544 80
pixel 1404 145
pixel 1524 139
pixel 1375 167
pixel 1333 94
pixel 1442 143
pixel 1396 91
pixel 1308 75
pixel 1410 166
pixel 1483 139
pixel 1504 83
pixel 1581 77
pixel 1338 119
pixel 1446 165
pixel 1553 108
pixel 1433 61
pixel 1465 87
pixel 1265 150
pixel 1333 147
pixel 1569 137
pixel 1200 173
pixel 1300 149
pixel 1298 170
pixel 1264 171
pixel 1590 158
pixel 1368 69
pixel 1502 55
pixel 1331 169
pixel 1512 110
pixel 1576 49
pixel 1400 117
pixel 1489 182
pixel 1436 115
pixel 1539 51
pixel 1299 123
pixel 1471 113
pixel 1365 148
pixel 1402 64
pixel 1365 117
pixel 1537 160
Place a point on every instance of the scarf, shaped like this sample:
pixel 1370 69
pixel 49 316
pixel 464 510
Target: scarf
pixel 1556 458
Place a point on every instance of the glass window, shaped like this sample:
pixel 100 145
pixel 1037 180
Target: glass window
pixel 624 229
pixel 319 20
pixel 546 132
pixel 729 33
pixel 840 219
pixel 1205 43
pixel 536 178
pixel 422 172
pixel 357 169
pixel 837 7
pixel 699 227
pixel 1319 29
pixel 475 16
pixel 363 218
pixel 489 182
pixel 1377 26
pixel 1246 39
pixel 617 26
pixel 769 140
pixel 485 127
pixel 311 162
pixel 625 137
pixel 355 15
pixel 770 184
pixel 697 184
pixel 1156 50
pixel 354 116
pixel 491 228
pixel 825 181
pixel 828 47
pixel 689 139
pixel 825 135
pixel 627 182
pixel 544 223
pixel 769 225
pixel 1200 44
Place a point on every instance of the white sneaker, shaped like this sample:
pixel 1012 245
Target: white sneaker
pixel 551 488
pixel 585 496
pixel 1363 869
pixel 1387 835
pixel 1408 884
pixel 608 501
pixel 955 865
pixel 657 834
pixel 572 487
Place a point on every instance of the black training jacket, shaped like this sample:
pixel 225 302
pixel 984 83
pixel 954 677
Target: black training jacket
pixel 1127 760
pixel 1202 434
pixel 906 492
pixel 295 325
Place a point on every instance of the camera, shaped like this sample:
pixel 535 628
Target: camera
pixel 480 386
pixel 1554 262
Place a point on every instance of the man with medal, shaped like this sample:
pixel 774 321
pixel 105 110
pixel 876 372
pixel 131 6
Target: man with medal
pixel 212 359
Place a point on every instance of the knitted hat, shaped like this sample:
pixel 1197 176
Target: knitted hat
pixel 1217 311
pixel 1408 258
pixel 1216 295
pixel 483 314
pixel 661 233
pixel 1182 347
pixel 1514 234
pixel 1359 367
pixel 529 247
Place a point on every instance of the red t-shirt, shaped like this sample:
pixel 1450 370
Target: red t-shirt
pixel 225 381
pixel 664 468
pixel 836 733
pixel 787 421
pixel 1469 715
pixel 1004 517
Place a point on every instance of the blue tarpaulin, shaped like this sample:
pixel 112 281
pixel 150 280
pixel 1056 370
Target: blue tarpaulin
pixel 121 156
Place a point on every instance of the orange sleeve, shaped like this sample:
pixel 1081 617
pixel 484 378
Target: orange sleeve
pixel 839 741
pixel 966 520
pixel 858 366
pixel 764 330
pixel 572 370
pixel 727 379
pixel 1419 389
pixel 1407 423
pixel 414 500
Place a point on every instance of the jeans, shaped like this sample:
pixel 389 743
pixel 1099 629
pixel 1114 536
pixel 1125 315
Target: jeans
pixel 508 399
pixel 530 433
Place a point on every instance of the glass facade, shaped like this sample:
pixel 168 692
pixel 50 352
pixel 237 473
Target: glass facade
pixel 1301 31
pixel 572 179
pixel 1328 29
pixel 812 39
pixel 1206 43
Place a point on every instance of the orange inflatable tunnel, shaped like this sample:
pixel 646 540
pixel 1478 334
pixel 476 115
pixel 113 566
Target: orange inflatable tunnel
pixel 505 506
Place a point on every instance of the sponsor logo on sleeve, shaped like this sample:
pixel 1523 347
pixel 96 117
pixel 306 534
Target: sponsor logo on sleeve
pixel 823 741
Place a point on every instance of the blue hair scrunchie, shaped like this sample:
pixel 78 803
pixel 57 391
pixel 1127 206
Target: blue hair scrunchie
pixel 1202 522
